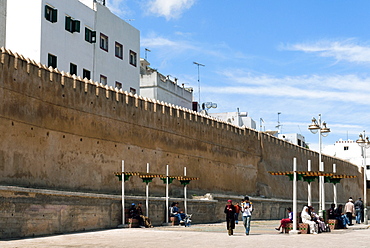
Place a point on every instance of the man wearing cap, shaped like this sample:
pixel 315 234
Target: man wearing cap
pixel 230 217
pixel 349 209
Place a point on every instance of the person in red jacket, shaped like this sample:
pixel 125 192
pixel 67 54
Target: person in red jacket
pixel 237 211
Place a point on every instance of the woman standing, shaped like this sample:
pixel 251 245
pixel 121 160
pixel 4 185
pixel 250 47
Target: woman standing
pixel 230 217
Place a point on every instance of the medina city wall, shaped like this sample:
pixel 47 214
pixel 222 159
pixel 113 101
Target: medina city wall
pixel 64 133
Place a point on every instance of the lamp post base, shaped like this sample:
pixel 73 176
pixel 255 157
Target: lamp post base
pixel 365 216
pixel 294 232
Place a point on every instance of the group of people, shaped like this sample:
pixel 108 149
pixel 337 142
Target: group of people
pixel 345 216
pixel 136 212
pixel 232 214
pixel 176 212
pixel 317 224
pixel 308 216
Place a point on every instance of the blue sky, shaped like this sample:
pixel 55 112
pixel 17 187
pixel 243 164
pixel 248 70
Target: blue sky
pixel 299 58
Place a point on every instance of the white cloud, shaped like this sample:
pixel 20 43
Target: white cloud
pixel 347 88
pixel 347 50
pixel 118 7
pixel 170 9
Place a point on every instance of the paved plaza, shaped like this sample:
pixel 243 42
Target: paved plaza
pixel 262 235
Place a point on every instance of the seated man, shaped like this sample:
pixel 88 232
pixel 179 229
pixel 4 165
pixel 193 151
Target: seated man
pixel 132 212
pixel 341 217
pixel 144 220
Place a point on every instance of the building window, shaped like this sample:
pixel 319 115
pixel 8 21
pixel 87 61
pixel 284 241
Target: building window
pixel 118 50
pixel 103 80
pixel 132 90
pixel 90 36
pixel 73 69
pixel 51 14
pixel 72 25
pixel 346 148
pixel 86 74
pixel 104 42
pixel 118 85
pixel 52 60
pixel 133 58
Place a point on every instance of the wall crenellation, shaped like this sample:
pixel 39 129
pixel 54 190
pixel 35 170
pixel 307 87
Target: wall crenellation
pixel 68 81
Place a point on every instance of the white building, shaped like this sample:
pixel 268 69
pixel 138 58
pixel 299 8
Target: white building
pixel 236 118
pixel 349 150
pixel 294 138
pixel 78 36
pixel 154 85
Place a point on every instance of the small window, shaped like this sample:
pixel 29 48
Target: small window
pixel 132 90
pixel 90 36
pixel 73 69
pixel 72 25
pixel 346 148
pixel 51 14
pixel 52 60
pixel 104 42
pixel 103 80
pixel 133 58
pixel 118 85
pixel 118 50
pixel 86 74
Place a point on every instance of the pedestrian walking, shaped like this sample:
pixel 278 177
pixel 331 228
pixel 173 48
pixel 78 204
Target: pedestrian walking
pixel 230 217
pixel 359 208
pixel 247 209
pixel 237 211
pixel 349 209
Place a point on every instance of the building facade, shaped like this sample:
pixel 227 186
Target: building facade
pixel 350 151
pixel 239 119
pixel 294 138
pixel 81 37
pixel 155 85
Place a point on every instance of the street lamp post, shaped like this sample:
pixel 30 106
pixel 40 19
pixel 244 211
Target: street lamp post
pixel 198 64
pixel 364 144
pixel 320 127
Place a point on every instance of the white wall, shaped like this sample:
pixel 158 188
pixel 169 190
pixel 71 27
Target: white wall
pixel 156 86
pixel 30 34
pixel 23 33
pixel 68 47
pixel 2 22
pixel 117 30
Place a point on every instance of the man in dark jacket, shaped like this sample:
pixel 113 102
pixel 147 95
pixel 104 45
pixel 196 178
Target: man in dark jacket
pixel 230 217
pixel 359 208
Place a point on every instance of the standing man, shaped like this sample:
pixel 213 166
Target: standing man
pixel 359 207
pixel 230 217
pixel 247 209
pixel 349 209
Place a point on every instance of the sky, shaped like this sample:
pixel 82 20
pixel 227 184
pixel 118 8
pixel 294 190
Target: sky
pixel 297 58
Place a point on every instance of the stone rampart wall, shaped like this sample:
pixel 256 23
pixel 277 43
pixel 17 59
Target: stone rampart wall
pixel 60 132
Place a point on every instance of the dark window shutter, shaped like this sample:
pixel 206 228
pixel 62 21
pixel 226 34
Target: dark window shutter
pixel 68 23
pixel 76 26
pixel 93 36
pixel 47 12
pixel 54 17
